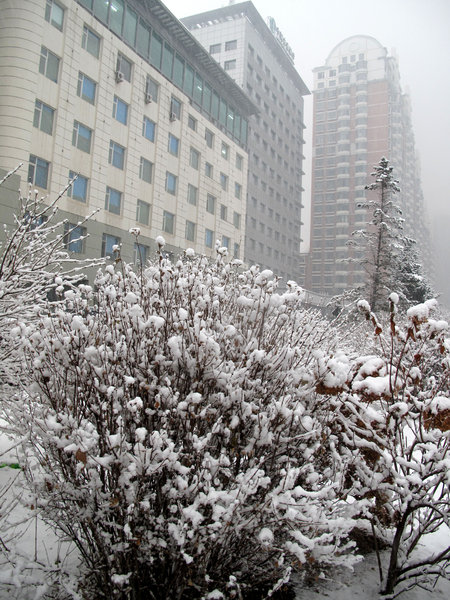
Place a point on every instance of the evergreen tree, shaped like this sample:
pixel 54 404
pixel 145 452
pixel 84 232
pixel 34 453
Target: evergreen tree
pixel 378 244
pixel 413 287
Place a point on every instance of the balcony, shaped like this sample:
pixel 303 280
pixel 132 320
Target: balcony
pixel 342 204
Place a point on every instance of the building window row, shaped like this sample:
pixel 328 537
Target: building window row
pixel 82 135
pixel 217 48
pixel 120 18
pixel 74 235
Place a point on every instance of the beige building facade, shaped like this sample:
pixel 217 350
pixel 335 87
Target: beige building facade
pixel 121 94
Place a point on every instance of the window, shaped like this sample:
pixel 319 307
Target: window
pixel 229 65
pixel 108 244
pixel 81 137
pixel 38 171
pixel 142 212
pixel 224 181
pixel 194 158
pixel 74 237
pixel 171 183
pixel 192 194
pixel 90 41
pixel 237 190
pixel 54 14
pixel 210 204
pixel 115 15
pixel 78 189
pixel 43 117
pixel 151 90
pixel 113 201
pixel 86 88
pixel 209 170
pixel 239 162
pixel 148 129
pixel 237 220
pixel 129 25
pixel 192 123
pixel 215 48
pixel 145 170
pixel 225 150
pixel 236 250
pixel 209 137
pixel 231 45
pixel 190 231
pixel 225 241
pixel 140 254
pixel 168 222
pixel 209 238
pixel 49 64
pixel 223 212
pixel 116 155
pixel 174 144
pixel 120 110
pixel 123 68
pixel 175 108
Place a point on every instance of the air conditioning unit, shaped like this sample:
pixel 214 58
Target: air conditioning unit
pixel 172 116
pixel 148 98
pixel 119 76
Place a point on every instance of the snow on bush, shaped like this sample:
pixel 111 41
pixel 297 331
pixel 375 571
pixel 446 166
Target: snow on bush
pixel 391 418
pixel 34 266
pixel 176 434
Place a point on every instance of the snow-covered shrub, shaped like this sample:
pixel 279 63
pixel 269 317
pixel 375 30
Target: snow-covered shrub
pixel 391 420
pixel 33 262
pixel 176 434
pixel 33 265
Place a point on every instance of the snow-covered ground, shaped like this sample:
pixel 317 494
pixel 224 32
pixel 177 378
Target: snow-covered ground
pixel 364 584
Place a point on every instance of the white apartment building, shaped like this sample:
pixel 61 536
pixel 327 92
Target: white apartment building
pixel 119 92
pixel 255 54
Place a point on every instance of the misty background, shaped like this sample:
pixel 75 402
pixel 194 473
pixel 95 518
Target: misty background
pixel 417 33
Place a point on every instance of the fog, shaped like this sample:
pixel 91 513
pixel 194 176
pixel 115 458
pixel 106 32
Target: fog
pixel 417 31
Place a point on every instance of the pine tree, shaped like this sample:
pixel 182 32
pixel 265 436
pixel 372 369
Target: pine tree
pixel 381 241
pixel 413 286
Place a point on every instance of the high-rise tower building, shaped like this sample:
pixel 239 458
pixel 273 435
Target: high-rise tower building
pixel 360 115
pixel 258 58
pixel 121 93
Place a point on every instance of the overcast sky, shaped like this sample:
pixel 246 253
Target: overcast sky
pixel 418 31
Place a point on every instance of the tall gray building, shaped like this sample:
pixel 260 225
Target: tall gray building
pixel 258 58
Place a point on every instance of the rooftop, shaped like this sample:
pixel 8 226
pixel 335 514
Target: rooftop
pixel 152 10
pixel 248 10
